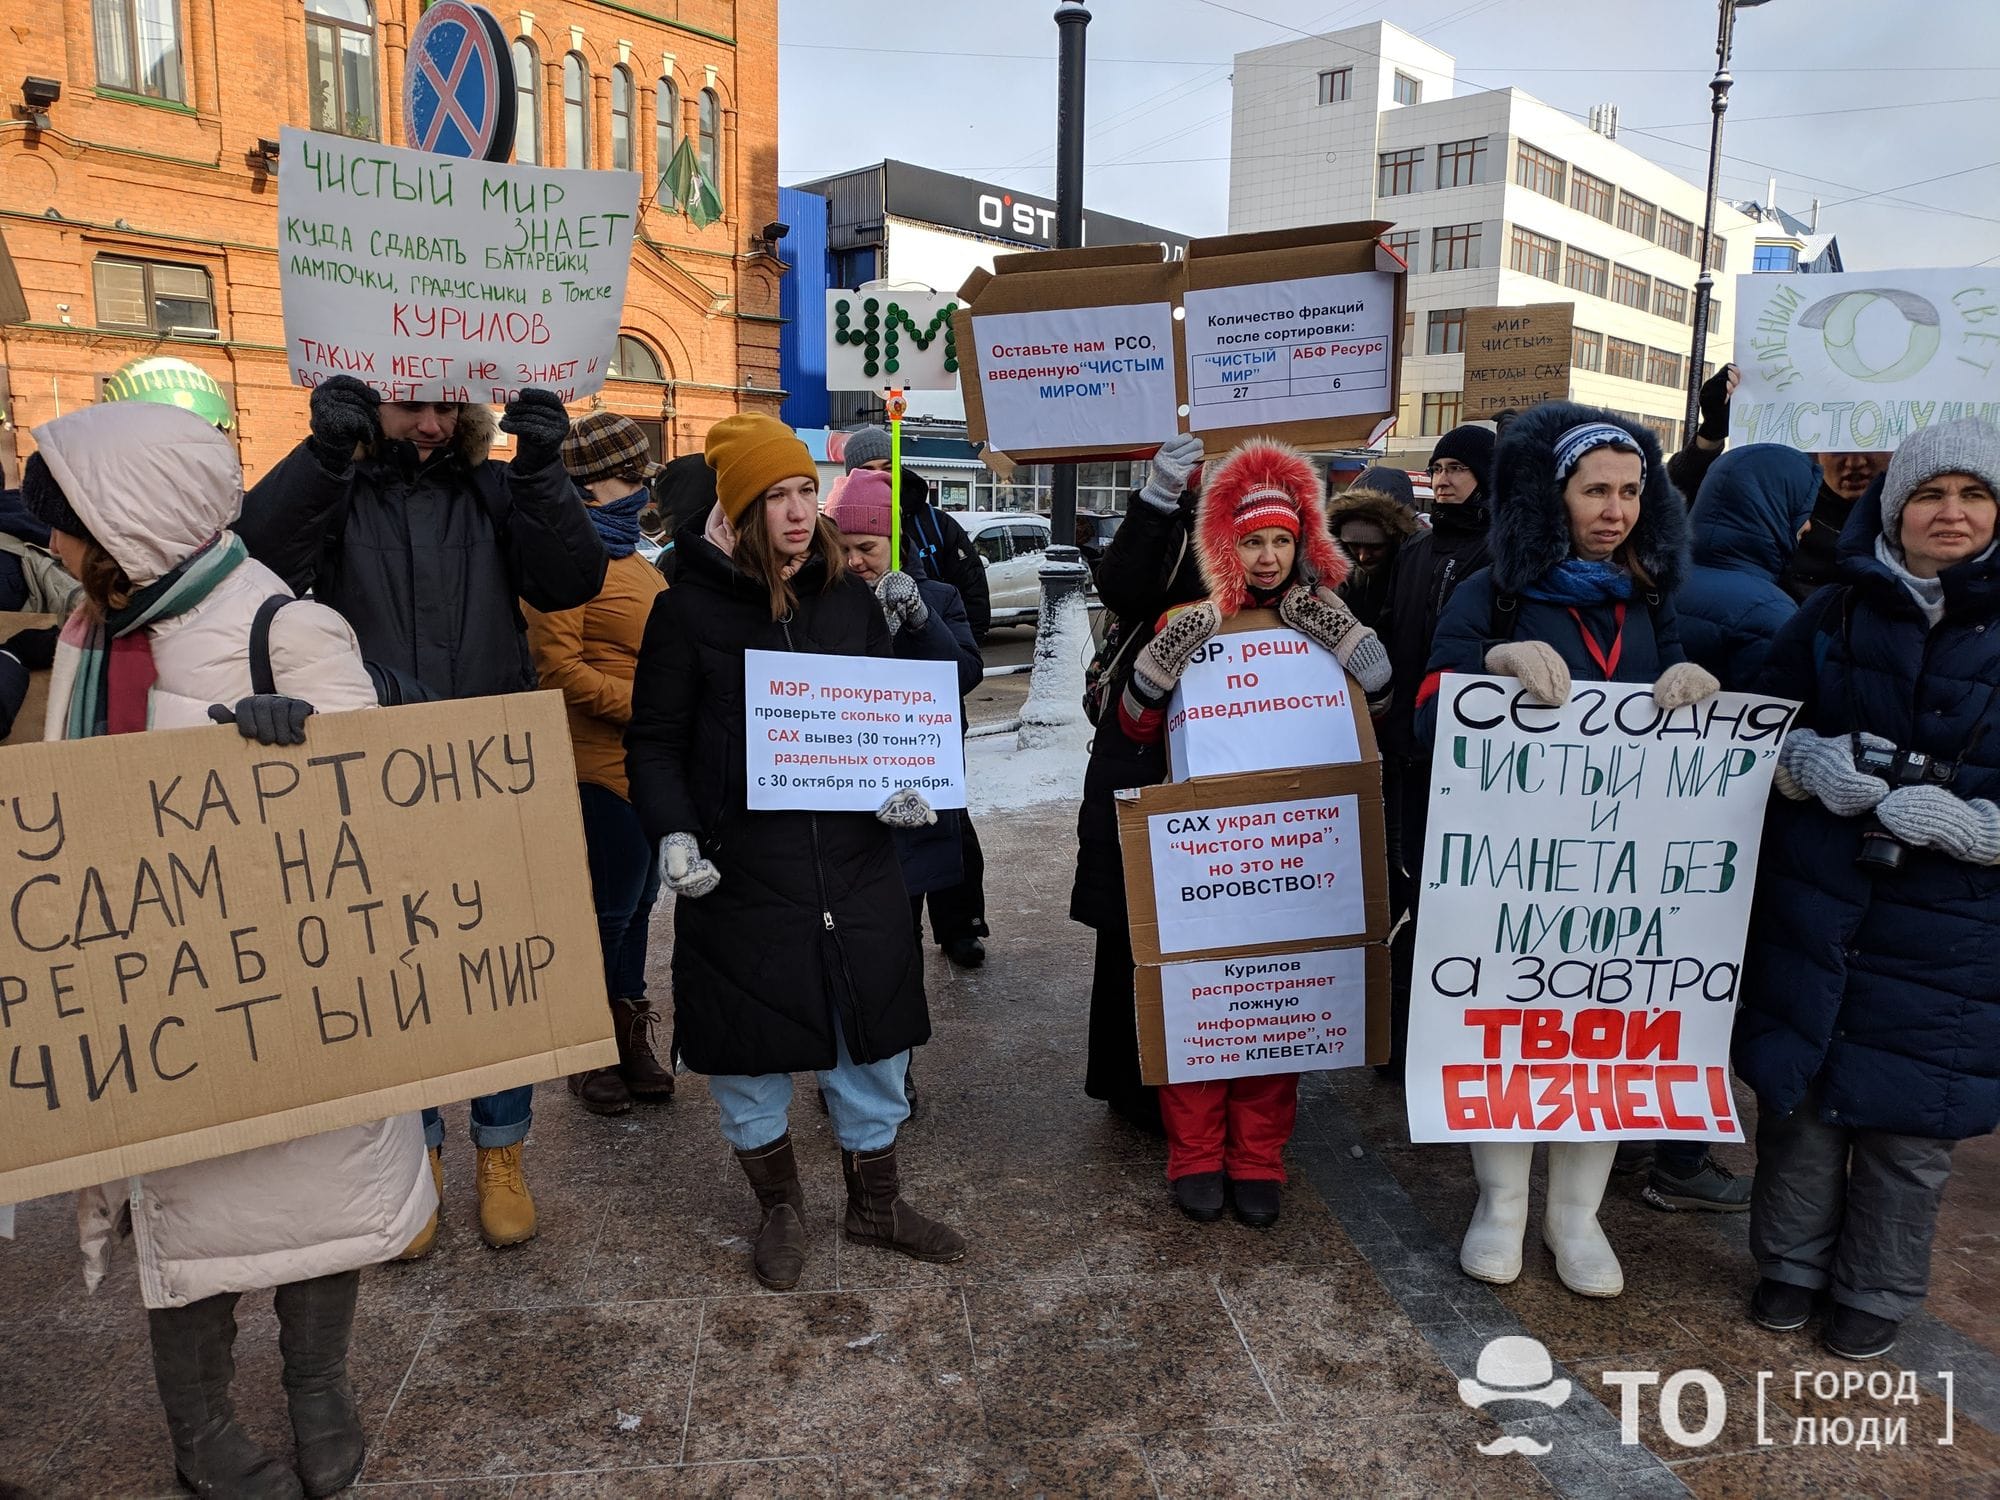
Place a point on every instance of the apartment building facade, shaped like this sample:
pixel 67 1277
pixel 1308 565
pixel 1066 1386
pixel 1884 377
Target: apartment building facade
pixel 1495 199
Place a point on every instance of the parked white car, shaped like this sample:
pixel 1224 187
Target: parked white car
pixel 1012 545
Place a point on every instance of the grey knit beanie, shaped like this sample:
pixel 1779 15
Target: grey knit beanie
pixel 865 445
pixel 1967 446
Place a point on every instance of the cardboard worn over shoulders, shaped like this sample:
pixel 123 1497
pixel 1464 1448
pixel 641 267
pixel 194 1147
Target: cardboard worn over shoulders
pixel 212 945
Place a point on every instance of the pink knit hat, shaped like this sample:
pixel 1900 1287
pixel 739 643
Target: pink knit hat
pixel 860 504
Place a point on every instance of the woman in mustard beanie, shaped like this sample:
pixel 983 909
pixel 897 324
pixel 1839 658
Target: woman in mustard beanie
pixel 792 944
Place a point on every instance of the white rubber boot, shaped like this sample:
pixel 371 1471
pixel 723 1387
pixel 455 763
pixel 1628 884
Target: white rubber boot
pixel 1491 1249
pixel 1585 1260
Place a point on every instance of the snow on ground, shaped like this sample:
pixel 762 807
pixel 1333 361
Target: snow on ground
pixel 1000 776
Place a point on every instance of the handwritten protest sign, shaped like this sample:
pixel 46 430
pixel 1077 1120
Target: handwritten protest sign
pixel 213 944
pixel 1077 377
pixel 840 733
pixel 437 278
pixel 1859 361
pixel 1587 879
pixel 1290 351
pixel 1283 1013
pixel 1260 700
pixel 1516 357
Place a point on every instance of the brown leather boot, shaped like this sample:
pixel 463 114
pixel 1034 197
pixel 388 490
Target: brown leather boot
pixel 602 1091
pixel 648 1079
pixel 877 1214
pixel 779 1255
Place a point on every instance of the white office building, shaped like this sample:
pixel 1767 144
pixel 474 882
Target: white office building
pixel 1496 199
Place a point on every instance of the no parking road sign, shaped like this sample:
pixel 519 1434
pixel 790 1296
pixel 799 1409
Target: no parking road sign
pixel 458 94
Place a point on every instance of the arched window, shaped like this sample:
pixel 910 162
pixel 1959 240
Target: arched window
pixel 666 132
pixel 527 103
pixel 340 67
pixel 633 360
pixel 622 104
pixel 710 145
pixel 576 112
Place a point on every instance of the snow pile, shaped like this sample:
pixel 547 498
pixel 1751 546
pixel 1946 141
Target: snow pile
pixel 1000 776
pixel 1055 690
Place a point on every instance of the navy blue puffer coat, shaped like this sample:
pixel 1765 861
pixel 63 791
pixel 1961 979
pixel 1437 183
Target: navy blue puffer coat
pixel 1530 536
pixel 1746 526
pixel 1884 987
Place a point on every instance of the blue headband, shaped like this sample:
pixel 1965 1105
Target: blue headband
pixel 1585 437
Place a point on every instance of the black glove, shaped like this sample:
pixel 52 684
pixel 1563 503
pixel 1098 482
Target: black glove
pixel 267 718
pixel 536 417
pixel 1715 406
pixel 34 649
pixel 345 413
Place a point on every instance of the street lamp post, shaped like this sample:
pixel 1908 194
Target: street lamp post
pixel 1704 287
pixel 1055 691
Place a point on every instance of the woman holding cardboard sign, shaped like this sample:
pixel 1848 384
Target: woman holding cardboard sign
pixel 1589 542
pixel 792 943
pixel 140 499
pixel 1263 542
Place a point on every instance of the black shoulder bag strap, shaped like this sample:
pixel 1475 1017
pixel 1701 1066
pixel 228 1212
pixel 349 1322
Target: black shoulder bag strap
pixel 262 681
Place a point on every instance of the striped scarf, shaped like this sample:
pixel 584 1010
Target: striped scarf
pixel 115 674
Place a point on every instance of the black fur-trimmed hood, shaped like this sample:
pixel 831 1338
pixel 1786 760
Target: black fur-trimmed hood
pixel 1530 530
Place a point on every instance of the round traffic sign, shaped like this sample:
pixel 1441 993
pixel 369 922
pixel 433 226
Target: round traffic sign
pixel 458 89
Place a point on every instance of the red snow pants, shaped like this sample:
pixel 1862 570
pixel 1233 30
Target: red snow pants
pixel 1238 1126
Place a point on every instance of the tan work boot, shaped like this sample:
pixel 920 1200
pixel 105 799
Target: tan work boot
pixel 506 1212
pixel 427 1237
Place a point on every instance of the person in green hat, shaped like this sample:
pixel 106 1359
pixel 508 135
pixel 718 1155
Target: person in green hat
pixel 173 382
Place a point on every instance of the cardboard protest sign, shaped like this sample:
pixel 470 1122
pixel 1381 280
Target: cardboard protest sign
pixel 1273 862
pixel 1293 334
pixel 840 733
pixel 1856 362
pixel 214 944
pixel 1243 1017
pixel 1262 697
pixel 436 278
pixel 1587 879
pixel 30 718
pixel 1516 357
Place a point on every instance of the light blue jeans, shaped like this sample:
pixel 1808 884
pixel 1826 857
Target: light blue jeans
pixel 864 1100
pixel 500 1119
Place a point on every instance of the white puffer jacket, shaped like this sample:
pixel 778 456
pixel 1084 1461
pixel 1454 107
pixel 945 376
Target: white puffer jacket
pixel 153 483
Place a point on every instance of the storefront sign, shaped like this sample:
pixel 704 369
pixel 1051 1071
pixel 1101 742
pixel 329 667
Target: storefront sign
pixel 439 279
pixel 843 733
pixel 1856 362
pixel 1587 879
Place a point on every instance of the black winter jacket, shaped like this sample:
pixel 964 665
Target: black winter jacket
pixel 810 926
pixel 947 553
pixel 1882 986
pixel 1428 568
pixel 1149 567
pixel 426 561
pixel 933 858
pixel 1815 562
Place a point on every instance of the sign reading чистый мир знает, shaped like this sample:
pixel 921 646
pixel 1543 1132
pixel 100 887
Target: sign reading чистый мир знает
pixel 437 278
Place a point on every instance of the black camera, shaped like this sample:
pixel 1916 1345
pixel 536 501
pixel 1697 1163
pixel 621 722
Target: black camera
pixel 1881 851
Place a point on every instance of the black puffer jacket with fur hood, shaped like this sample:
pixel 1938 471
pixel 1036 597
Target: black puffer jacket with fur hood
pixel 427 559
pixel 1530 537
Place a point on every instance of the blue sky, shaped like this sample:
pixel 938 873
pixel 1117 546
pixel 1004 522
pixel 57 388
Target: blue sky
pixel 1844 100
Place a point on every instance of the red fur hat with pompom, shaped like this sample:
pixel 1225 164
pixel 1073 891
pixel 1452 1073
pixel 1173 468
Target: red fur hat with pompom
pixel 1263 483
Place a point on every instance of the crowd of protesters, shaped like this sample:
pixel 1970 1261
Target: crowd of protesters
pixel 391 559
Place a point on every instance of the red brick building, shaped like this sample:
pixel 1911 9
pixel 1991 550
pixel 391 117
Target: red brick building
pixel 142 214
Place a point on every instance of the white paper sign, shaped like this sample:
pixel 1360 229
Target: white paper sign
pixel 1258 875
pixel 1586 880
pixel 1078 377
pixel 881 338
pixel 840 733
pixel 1260 700
pixel 1289 351
pixel 1856 362
pixel 438 278
pixel 1281 1013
